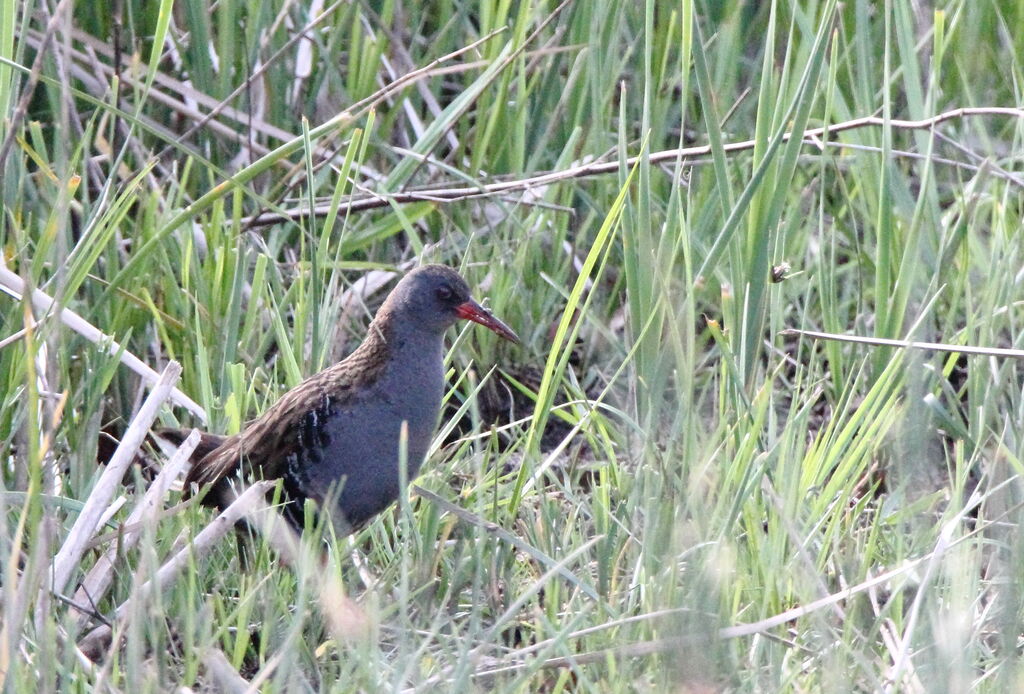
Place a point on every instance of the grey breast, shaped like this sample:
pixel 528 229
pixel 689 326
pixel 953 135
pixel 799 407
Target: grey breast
pixel 363 439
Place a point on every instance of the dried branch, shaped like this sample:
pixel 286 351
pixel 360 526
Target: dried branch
pixel 910 344
pixel 101 575
pixel 85 525
pixel 96 642
pixel 14 285
pixel 441 194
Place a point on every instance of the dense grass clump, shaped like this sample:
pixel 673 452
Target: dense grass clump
pixel 679 482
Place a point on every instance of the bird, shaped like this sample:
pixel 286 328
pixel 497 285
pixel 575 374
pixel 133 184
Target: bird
pixel 335 438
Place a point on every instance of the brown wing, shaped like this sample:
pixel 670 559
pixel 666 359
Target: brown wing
pixel 263 447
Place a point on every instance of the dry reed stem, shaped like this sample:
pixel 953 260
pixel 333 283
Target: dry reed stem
pixel 97 642
pixel 85 525
pixel 44 303
pixel 96 583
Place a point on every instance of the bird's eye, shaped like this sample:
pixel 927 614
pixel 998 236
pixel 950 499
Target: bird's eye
pixel 444 292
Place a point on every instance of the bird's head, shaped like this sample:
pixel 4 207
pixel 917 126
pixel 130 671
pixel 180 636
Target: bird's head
pixel 435 297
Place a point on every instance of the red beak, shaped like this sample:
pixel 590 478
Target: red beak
pixel 473 311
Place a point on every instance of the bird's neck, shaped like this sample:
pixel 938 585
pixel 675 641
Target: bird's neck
pixel 410 353
pixel 411 377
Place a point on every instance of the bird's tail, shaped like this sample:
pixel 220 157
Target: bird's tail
pixel 207 442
